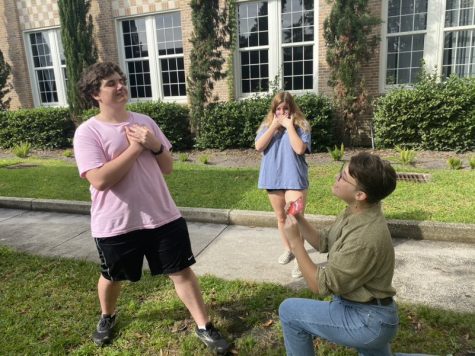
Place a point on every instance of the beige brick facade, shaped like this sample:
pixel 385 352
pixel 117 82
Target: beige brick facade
pixel 21 16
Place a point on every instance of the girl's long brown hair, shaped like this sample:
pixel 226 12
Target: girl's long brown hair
pixel 286 97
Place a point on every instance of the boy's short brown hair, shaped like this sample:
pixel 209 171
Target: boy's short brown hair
pixel 374 176
pixel 91 78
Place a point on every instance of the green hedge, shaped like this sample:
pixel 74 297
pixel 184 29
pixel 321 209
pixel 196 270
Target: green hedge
pixel 172 118
pixel 431 116
pixel 44 128
pixel 234 124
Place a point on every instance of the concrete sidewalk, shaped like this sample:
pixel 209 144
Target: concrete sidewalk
pixel 436 273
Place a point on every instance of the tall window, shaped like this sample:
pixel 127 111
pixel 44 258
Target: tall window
pixel 297 42
pixel 459 38
pixel 406 29
pixel 254 46
pixel 153 54
pixel 276 45
pixel 47 68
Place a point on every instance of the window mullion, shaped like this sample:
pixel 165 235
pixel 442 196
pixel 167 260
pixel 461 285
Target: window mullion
pixel 433 45
pixel 275 43
pixel 153 59
pixel 54 38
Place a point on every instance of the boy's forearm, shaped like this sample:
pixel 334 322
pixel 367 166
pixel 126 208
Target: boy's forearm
pixel 113 171
pixel 309 232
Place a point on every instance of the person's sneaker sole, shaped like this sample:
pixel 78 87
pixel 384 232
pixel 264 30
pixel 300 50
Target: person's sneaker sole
pixel 100 340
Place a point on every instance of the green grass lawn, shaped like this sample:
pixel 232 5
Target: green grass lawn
pixel 449 197
pixel 49 306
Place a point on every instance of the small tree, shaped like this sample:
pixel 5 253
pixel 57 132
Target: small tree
pixel 351 42
pixel 208 39
pixel 5 71
pixel 79 48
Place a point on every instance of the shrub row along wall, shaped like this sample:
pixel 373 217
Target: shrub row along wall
pixel 225 125
pixel 43 128
pixel 234 124
pixel 432 115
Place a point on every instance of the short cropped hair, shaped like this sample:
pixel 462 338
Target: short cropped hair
pixel 91 78
pixel 374 176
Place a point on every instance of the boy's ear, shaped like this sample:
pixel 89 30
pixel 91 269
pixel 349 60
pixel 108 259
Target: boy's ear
pixel 361 196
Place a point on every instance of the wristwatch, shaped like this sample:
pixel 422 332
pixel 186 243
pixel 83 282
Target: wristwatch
pixel 159 151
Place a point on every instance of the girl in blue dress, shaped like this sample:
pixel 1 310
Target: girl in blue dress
pixel 284 138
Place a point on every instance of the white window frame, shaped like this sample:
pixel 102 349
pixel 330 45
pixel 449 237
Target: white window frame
pixel 153 57
pixel 275 47
pixel 433 43
pixel 53 36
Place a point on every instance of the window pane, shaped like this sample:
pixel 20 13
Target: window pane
pixel 253 25
pixel 254 71
pixel 403 60
pixel 139 76
pixel 169 36
pixel 459 48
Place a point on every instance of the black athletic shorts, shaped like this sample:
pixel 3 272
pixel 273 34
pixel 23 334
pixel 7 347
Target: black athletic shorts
pixel 167 249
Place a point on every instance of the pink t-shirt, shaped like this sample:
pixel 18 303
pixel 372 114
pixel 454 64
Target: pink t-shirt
pixel 141 200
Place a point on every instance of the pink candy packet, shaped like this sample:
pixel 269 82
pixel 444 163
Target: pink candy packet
pixel 295 207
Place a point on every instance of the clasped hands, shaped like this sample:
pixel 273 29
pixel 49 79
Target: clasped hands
pixel 142 137
pixel 285 120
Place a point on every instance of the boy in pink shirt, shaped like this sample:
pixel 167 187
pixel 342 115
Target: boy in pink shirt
pixel 124 155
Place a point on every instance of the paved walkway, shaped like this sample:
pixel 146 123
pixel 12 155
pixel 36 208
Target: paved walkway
pixel 436 273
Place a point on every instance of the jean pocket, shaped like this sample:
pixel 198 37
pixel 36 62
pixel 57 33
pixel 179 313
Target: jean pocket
pixel 381 328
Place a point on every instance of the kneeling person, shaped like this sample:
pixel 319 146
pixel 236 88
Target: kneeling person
pixel 359 271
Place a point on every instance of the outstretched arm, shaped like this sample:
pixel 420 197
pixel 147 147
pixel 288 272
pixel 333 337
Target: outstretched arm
pixel 307 267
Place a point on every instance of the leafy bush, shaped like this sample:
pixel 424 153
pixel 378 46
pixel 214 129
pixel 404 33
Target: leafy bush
pixel 406 156
pixel 432 116
pixel 454 163
pixel 234 124
pixel 44 128
pixel 337 153
pixel 22 150
pixel 172 118
pixel 204 159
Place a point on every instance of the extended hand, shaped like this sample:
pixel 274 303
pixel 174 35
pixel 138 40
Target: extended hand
pixel 292 231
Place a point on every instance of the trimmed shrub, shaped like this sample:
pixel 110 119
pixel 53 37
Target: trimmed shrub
pixel 234 124
pixel 431 116
pixel 172 118
pixel 44 128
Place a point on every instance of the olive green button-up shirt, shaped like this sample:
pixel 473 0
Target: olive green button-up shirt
pixel 360 257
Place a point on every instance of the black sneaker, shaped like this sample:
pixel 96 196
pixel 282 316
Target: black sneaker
pixel 104 330
pixel 213 338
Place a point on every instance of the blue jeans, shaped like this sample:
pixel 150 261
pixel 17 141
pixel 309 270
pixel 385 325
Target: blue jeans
pixel 368 328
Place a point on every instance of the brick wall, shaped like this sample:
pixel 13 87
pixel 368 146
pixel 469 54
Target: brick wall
pixel 370 71
pixel 12 46
pixel 104 31
pixel 22 15
pixel 220 87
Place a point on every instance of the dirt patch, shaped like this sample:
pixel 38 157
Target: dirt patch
pixel 250 158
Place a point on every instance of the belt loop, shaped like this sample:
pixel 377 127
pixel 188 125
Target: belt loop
pixel 378 301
